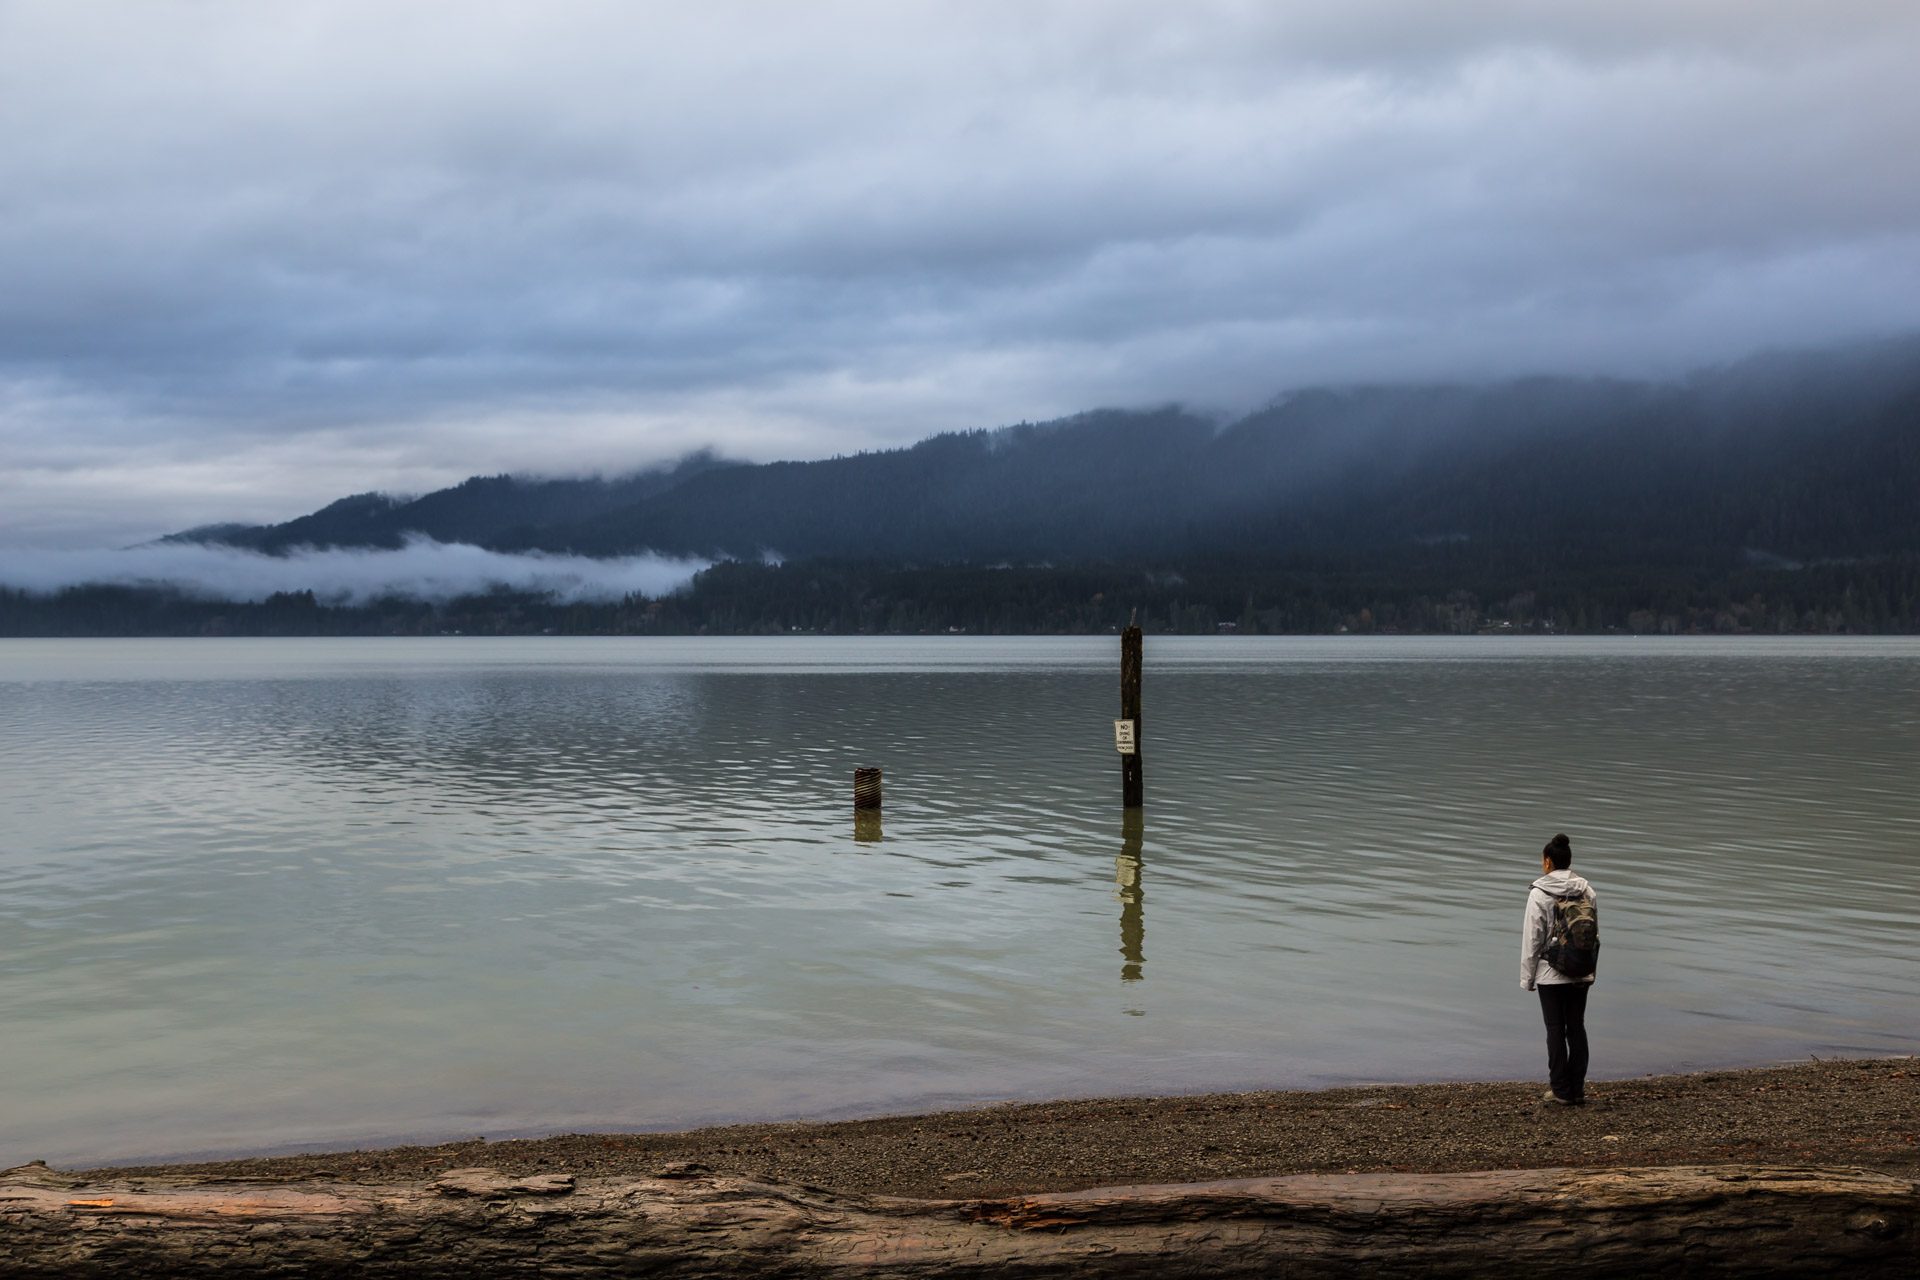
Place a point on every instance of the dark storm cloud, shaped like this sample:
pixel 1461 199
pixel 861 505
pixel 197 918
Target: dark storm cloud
pixel 255 256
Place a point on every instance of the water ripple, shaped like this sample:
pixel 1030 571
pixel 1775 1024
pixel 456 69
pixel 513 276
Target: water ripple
pixel 276 892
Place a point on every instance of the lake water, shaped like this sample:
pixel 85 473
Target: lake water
pixel 256 894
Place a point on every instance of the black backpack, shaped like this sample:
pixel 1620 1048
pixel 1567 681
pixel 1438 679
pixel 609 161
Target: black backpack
pixel 1574 948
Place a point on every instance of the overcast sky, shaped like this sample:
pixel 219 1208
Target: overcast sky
pixel 254 256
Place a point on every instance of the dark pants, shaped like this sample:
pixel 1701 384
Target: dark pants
pixel 1564 1006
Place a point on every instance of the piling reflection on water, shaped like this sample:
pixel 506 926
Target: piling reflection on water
pixel 1132 895
pixel 866 826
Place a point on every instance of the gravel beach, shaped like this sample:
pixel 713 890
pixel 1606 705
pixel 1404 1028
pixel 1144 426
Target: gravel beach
pixel 1852 1112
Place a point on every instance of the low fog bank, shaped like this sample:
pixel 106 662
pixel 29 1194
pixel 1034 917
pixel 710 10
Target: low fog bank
pixel 421 570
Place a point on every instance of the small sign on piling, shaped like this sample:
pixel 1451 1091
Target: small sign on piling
pixel 1123 739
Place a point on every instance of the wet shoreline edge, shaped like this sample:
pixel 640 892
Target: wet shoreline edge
pixel 1857 1112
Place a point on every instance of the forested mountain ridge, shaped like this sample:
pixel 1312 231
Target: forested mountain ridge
pixel 480 510
pixel 1790 458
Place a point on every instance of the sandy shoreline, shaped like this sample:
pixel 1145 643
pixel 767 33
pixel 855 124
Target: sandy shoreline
pixel 1862 1113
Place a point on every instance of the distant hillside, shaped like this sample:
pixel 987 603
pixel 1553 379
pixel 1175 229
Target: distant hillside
pixel 482 510
pixel 1782 459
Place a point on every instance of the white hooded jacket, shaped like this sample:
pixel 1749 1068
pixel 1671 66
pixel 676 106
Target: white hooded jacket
pixel 1538 928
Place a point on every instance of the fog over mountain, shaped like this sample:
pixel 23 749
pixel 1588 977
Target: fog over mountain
pixel 418 569
pixel 255 256
pixel 1778 495
pixel 1787 458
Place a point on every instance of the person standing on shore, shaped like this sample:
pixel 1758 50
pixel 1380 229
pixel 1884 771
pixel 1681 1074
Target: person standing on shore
pixel 1559 952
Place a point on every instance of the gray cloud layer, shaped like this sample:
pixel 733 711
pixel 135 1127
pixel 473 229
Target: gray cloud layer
pixel 255 256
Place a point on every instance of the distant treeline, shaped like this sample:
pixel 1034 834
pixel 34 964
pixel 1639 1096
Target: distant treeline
pixel 1303 596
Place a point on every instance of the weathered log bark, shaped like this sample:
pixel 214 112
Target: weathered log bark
pixel 1715 1220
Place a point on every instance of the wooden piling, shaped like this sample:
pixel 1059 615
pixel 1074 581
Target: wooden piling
pixel 1132 782
pixel 866 788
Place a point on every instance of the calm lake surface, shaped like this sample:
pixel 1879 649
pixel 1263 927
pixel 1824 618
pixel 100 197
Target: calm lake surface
pixel 262 893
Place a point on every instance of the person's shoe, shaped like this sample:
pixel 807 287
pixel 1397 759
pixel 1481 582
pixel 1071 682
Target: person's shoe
pixel 1551 1096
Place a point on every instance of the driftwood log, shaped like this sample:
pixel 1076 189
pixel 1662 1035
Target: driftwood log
pixel 1714 1220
